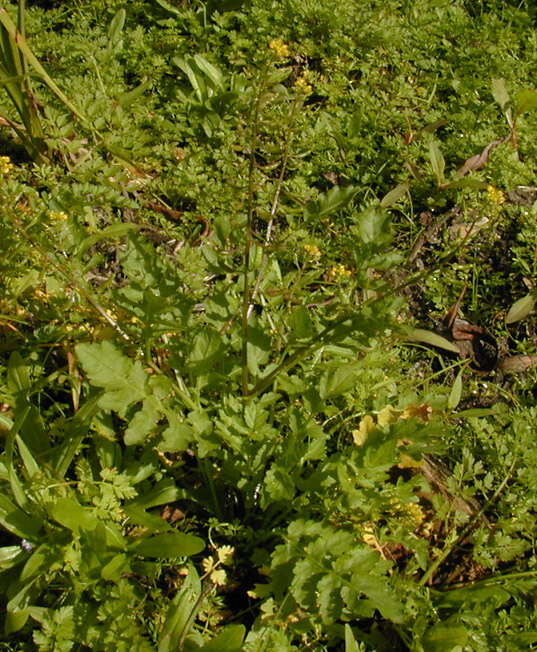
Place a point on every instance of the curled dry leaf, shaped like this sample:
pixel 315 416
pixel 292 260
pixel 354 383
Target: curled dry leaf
pixel 480 160
pixel 517 364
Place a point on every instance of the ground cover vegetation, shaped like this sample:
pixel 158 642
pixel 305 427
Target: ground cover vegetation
pixel 267 341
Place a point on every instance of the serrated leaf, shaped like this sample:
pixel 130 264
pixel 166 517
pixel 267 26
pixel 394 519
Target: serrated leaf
pixel 520 309
pixel 499 93
pixel 329 600
pixel 335 382
pixel 168 545
pixel 331 201
pixel 433 339
pixel 374 226
pixel 456 392
pixel 143 423
pixel 382 597
pixel 177 437
pixel 123 380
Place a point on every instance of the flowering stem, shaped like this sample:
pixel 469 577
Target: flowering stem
pixel 248 242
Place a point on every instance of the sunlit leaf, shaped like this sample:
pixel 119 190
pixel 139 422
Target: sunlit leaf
pixel 392 197
pixel 500 93
pixel 520 309
pixel 456 392
pixel 432 339
pixel 438 163
pixel 168 545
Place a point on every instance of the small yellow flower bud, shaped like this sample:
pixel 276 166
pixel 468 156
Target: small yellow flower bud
pixel 496 195
pixel 302 85
pixel 280 49
pixel 312 250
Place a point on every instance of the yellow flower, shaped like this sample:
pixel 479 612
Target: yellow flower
pixel 496 195
pixel 5 165
pixel 312 250
pixel 302 85
pixel 280 49
pixel 57 216
pixel 338 271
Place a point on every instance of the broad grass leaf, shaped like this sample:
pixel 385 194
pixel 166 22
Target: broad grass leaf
pixel 16 521
pixel 350 642
pixel 394 195
pixel 444 637
pixel 169 8
pixel 520 309
pixel 456 392
pixel 30 464
pixel 163 492
pixel 432 339
pixel 123 380
pixel 125 99
pixel 168 545
pixel 178 617
pixel 72 515
pixel 500 93
pixel 438 163
pixel 229 640
pixel 18 376
pixel 116 27
pixel 113 570
pixel 210 71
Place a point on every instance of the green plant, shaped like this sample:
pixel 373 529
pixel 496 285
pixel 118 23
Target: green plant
pixel 215 433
